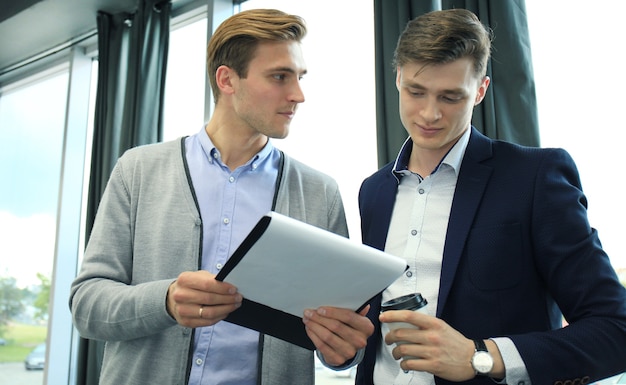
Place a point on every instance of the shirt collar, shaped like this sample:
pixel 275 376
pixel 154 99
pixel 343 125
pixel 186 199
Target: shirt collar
pixel 453 158
pixel 213 154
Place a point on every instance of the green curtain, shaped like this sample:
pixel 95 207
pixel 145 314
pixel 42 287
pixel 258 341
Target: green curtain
pixel 132 56
pixel 509 111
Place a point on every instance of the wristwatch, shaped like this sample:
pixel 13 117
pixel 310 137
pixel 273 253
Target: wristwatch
pixel 481 361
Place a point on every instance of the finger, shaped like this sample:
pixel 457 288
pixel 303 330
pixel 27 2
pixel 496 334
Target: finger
pixel 414 363
pixel 408 351
pixel 337 333
pixel 214 299
pixel 204 281
pixel 405 333
pixel 329 345
pixel 416 319
pixel 214 314
pixel 330 331
pixel 202 315
pixel 184 299
pixel 365 310
pixel 344 322
pixel 200 287
pixel 398 316
pixel 326 329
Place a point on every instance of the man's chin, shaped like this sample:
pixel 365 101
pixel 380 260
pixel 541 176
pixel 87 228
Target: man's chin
pixel 280 134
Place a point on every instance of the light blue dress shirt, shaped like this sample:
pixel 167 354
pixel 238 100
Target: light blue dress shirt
pixel 231 203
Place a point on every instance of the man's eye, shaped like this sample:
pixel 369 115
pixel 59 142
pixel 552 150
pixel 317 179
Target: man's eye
pixel 416 93
pixel 452 99
pixel 279 76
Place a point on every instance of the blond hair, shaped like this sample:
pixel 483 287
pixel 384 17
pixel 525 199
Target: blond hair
pixel 234 42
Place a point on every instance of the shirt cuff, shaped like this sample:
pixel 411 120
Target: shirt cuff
pixel 515 371
pixel 346 365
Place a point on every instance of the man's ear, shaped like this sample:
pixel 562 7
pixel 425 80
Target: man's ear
pixel 482 90
pixel 398 76
pixel 225 78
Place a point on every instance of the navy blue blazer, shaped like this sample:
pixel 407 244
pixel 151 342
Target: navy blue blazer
pixel 519 252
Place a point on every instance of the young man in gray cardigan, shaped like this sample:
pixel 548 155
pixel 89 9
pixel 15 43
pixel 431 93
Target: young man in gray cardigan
pixel 173 213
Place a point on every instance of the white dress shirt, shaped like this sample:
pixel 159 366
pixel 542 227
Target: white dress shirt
pixel 417 232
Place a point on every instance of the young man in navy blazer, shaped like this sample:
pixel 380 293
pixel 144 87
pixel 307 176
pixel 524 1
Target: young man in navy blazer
pixel 496 236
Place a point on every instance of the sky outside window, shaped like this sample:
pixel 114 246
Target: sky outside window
pixel 32 121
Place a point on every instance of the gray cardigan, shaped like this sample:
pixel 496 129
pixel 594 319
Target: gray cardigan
pixel 147 231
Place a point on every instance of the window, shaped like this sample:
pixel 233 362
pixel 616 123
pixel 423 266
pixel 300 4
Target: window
pixel 577 57
pixel 335 128
pixel 185 82
pixel 578 81
pixel 43 145
pixel 32 121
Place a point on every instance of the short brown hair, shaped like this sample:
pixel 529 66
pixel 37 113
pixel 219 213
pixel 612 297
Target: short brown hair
pixel 234 42
pixel 441 37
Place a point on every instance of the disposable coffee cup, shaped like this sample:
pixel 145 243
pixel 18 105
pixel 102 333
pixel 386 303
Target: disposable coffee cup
pixel 414 302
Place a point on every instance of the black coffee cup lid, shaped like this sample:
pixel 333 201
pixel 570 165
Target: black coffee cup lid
pixel 406 302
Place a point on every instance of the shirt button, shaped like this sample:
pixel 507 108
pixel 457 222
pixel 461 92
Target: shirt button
pixel 226 221
pixel 409 274
pixel 198 361
pixel 421 191
pixel 413 232
pixel 219 266
pixel 231 179
pixel 254 166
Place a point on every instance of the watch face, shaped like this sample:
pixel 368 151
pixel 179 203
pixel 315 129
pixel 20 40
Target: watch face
pixel 482 362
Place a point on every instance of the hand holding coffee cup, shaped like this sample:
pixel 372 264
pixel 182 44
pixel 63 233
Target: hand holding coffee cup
pixel 414 302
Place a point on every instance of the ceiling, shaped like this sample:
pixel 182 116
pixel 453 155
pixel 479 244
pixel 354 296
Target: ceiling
pixel 32 28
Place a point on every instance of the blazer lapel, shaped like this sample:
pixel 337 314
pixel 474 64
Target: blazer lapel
pixel 469 190
pixel 382 209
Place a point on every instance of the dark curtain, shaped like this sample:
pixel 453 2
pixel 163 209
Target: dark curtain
pixel 132 51
pixel 509 110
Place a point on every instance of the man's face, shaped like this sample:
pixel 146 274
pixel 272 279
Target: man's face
pixel 267 99
pixel 436 102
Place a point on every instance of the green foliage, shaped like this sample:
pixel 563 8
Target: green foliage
pixel 43 298
pixel 11 303
pixel 13 353
pixel 14 301
pixel 21 340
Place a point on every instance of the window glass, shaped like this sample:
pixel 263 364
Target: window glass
pixel 32 119
pixel 578 68
pixel 185 82
pixel 335 128
pixel 577 58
